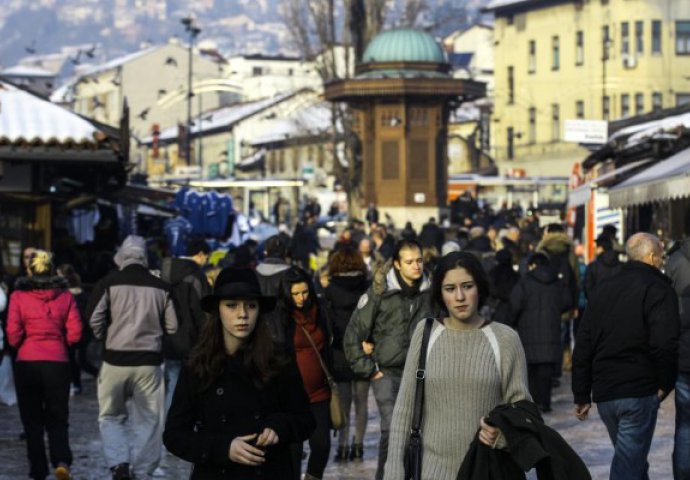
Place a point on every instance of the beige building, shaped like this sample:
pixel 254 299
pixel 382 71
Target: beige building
pixel 154 81
pixel 471 53
pixel 583 59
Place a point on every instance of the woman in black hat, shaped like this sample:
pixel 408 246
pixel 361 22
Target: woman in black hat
pixel 237 405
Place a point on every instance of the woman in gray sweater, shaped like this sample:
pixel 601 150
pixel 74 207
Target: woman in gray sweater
pixel 472 367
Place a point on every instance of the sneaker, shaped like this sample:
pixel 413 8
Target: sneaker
pixel 121 472
pixel 62 472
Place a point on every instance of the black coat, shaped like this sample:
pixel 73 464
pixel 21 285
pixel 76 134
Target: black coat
pixel 201 425
pixel 606 265
pixel 678 269
pixel 627 343
pixel 432 236
pixel 536 303
pixel 530 444
pixel 502 280
pixel 342 295
pixel 188 286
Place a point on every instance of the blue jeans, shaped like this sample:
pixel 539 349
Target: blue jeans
pixel 630 423
pixel 385 392
pixel 171 372
pixel 681 447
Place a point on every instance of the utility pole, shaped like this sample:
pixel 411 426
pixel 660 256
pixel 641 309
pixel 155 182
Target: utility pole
pixel 194 31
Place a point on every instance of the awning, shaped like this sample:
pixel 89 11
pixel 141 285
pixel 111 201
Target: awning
pixel 581 194
pixel 664 180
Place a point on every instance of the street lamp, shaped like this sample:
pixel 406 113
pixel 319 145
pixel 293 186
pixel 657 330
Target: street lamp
pixel 193 31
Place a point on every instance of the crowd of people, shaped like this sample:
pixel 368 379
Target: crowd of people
pixel 460 334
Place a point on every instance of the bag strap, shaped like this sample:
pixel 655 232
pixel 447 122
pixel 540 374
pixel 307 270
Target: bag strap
pixel 420 375
pixel 329 378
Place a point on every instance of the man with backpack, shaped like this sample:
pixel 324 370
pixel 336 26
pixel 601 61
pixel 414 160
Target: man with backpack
pixel 188 285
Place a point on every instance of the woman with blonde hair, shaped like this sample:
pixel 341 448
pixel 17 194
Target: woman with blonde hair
pixel 42 322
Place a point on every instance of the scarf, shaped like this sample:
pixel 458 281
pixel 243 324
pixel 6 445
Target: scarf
pixel 408 291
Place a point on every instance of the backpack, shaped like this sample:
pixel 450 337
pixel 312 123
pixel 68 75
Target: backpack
pixel 185 294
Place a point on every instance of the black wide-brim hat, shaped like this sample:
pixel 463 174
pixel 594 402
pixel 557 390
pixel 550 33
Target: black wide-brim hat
pixel 237 283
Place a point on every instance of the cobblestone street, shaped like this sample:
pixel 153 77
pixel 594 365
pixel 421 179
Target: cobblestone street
pixel 588 438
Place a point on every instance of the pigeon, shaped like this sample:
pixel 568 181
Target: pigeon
pixel 171 61
pixel 31 48
pixel 89 52
pixel 143 113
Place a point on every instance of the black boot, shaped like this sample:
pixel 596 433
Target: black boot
pixel 121 472
pixel 341 453
pixel 356 451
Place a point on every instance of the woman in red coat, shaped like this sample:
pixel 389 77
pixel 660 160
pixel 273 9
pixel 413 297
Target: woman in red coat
pixel 42 322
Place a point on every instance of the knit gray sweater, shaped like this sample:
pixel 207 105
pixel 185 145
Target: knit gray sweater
pixel 462 384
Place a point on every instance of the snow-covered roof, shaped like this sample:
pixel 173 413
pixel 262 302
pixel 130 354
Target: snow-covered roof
pixel 497 4
pixel 655 129
pixel 223 117
pixel 25 71
pixel 309 121
pixel 27 118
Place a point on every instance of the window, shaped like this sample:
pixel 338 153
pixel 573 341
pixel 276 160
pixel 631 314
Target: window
pixel 682 99
pixel 532 125
pixel 419 154
pixel 656 36
pixel 639 37
pixel 510 149
pixel 580 48
pixel 683 37
pixel 555 122
pixel 605 42
pixel 625 105
pixel 580 109
pixel 639 104
pixel 257 71
pixel 605 107
pixel 625 38
pixel 511 85
pixel 555 53
pixel 532 60
pixel 657 101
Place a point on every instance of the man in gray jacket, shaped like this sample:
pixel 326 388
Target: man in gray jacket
pixel 131 311
pixel 378 335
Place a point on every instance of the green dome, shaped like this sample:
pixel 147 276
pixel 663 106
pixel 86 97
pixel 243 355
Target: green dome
pixel 403 45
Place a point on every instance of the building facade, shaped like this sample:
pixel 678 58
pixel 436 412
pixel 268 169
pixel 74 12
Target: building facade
pixel 580 59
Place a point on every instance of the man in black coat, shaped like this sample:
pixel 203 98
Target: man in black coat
pixel 604 266
pixel 678 268
pixel 432 235
pixel 188 286
pixel 626 354
pixel 537 302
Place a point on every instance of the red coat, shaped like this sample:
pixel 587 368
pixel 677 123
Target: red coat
pixel 42 320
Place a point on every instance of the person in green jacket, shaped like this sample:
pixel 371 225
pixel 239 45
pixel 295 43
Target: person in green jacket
pixel 378 335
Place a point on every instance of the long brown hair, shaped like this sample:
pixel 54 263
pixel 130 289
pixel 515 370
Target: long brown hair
pixel 258 352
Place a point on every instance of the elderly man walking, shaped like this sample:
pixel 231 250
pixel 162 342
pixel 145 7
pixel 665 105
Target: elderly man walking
pixel 626 354
pixel 132 311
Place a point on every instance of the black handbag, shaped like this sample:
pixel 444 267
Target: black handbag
pixel 413 451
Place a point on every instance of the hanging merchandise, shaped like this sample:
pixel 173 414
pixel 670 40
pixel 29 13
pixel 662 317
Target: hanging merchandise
pixel 83 222
pixel 178 231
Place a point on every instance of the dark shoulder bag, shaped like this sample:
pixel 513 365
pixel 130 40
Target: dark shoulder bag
pixel 413 451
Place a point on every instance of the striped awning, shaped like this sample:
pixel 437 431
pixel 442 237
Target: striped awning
pixel 580 195
pixel 665 180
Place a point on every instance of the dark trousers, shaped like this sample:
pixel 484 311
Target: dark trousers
pixel 319 443
pixel 681 446
pixel 79 362
pixel 43 398
pixel 539 377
